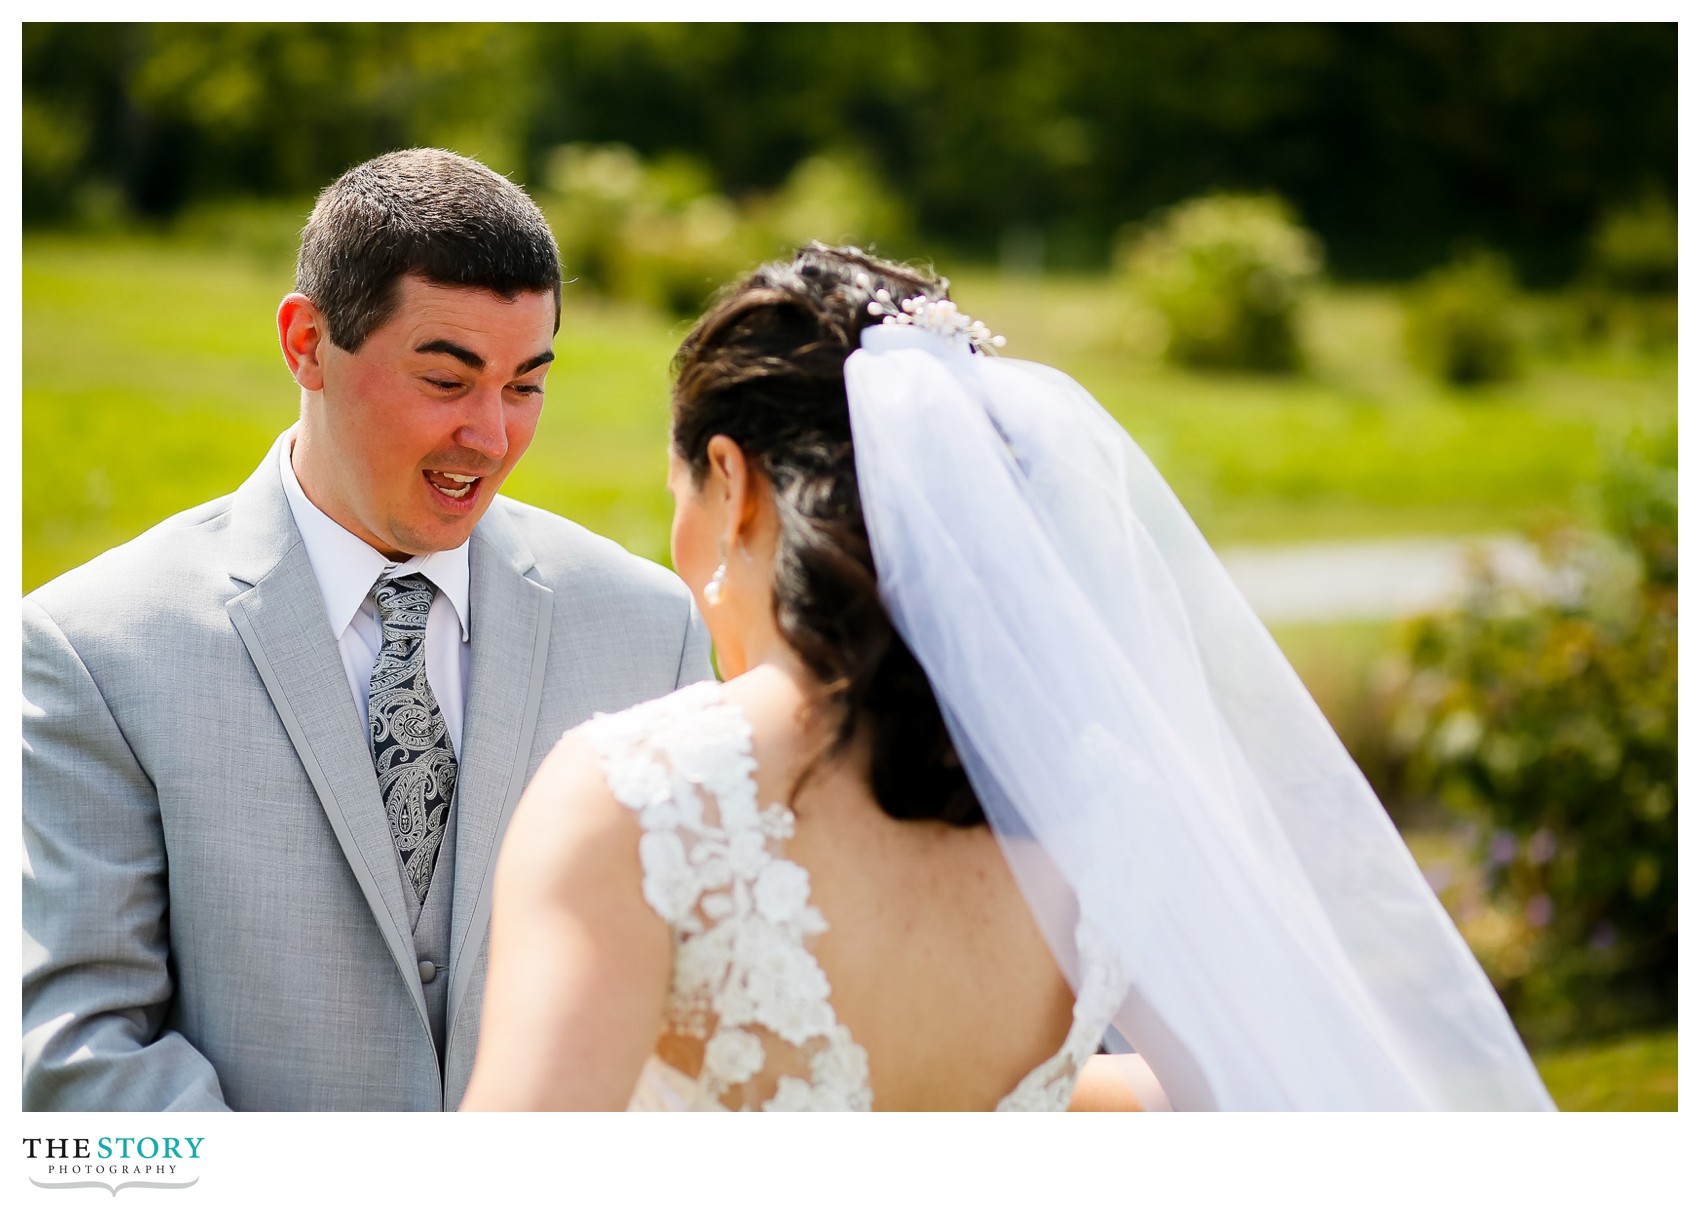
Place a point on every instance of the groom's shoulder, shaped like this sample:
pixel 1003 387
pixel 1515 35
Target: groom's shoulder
pixel 566 551
pixel 175 564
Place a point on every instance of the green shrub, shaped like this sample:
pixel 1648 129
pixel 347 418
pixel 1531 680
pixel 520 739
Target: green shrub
pixel 659 233
pixel 1627 292
pixel 835 197
pixel 1633 247
pixel 673 260
pixel 655 233
pixel 1227 274
pixel 590 192
pixel 1461 321
pixel 1638 495
pixel 1551 723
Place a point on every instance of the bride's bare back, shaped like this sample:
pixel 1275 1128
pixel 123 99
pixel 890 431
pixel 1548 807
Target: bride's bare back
pixel 937 968
pixel 666 925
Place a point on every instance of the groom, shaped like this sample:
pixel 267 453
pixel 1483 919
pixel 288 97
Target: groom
pixel 271 745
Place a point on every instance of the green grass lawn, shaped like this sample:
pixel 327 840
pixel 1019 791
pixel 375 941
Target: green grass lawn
pixel 1631 1074
pixel 152 381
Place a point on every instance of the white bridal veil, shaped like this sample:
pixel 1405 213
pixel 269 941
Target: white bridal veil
pixel 1147 755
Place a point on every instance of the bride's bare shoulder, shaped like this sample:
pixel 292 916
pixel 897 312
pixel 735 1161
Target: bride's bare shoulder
pixel 569 819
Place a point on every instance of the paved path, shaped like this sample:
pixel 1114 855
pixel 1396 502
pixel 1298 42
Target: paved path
pixel 1375 579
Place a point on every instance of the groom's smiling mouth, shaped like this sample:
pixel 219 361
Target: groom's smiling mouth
pixel 456 486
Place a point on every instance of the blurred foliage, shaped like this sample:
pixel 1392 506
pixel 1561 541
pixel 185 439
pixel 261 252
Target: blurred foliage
pixel 265 231
pixel 1550 721
pixel 838 197
pixel 1462 323
pixel 1227 273
pixel 164 115
pixel 1627 292
pixel 1633 249
pixel 1394 141
pixel 1638 497
pixel 1620 320
pixel 1629 1074
pixel 658 234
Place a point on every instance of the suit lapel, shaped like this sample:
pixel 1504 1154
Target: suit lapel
pixel 281 619
pixel 510 644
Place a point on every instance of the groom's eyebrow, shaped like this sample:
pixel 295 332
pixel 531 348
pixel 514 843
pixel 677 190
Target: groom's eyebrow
pixel 458 352
pixel 461 354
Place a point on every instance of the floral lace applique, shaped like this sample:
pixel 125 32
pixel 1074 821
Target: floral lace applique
pixel 744 979
pixel 1050 1086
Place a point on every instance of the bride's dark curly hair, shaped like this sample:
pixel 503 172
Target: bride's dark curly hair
pixel 765 367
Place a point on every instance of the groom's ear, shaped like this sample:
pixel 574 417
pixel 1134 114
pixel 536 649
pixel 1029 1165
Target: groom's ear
pixel 301 331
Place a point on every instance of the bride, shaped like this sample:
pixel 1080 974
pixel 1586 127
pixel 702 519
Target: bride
pixel 1003 768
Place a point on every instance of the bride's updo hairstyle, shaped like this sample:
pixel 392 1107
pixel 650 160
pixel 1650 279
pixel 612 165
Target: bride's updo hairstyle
pixel 765 367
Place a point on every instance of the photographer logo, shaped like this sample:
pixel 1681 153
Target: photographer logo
pixel 113 1163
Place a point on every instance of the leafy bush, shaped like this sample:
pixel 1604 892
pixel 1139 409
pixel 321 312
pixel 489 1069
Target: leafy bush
pixel 589 192
pixel 1633 248
pixel 653 233
pixel 1228 275
pixel 1627 292
pixel 673 260
pixel 1638 502
pixel 835 197
pixel 1551 723
pixel 1461 321
pixel 660 234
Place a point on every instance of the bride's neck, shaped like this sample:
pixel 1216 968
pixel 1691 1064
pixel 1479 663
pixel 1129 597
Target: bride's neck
pixel 774 671
pixel 777 662
pixel 747 640
pixel 779 675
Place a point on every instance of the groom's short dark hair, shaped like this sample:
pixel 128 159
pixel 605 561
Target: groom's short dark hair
pixel 425 212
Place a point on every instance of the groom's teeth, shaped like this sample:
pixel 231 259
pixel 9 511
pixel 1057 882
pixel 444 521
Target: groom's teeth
pixel 451 484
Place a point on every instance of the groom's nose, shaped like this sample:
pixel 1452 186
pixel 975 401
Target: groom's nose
pixel 483 426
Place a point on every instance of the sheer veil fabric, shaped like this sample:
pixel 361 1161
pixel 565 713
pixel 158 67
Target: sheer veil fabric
pixel 1149 760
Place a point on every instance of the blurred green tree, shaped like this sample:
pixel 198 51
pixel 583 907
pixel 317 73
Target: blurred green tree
pixel 1394 141
pixel 171 113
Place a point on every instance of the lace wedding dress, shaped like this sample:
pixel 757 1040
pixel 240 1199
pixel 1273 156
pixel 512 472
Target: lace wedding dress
pixel 745 982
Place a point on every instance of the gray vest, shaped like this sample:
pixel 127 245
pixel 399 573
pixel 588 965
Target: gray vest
pixel 431 927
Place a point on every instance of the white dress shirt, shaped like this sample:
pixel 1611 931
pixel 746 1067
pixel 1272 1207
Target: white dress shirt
pixel 347 568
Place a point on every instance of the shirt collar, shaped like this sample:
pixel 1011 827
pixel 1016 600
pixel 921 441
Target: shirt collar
pixel 347 567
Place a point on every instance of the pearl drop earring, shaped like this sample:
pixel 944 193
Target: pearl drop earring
pixel 711 591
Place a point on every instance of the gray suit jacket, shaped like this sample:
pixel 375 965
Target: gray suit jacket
pixel 213 911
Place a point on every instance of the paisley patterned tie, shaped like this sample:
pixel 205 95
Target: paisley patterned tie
pixel 410 743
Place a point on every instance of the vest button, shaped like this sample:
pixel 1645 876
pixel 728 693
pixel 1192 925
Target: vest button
pixel 427 972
